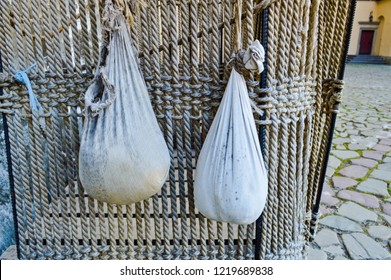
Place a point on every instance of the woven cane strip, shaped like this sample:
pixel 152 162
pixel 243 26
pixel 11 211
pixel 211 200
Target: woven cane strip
pixel 26 177
pixel 70 188
pixel 317 116
pixel 306 166
pixel 130 233
pixel 148 230
pixel 189 179
pixel 45 22
pixel 205 57
pixel 22 233
pixel 300 211
pixel 55 55
pixel 104 233
pixel 215 40
pixel 240 247
pixel 311 23
pixel 155 59
pixel 63 28
pixel 227 36
pixel 295 42
pixel 46 208
pixel 38 218
pixel 285 213
pixel 186 129
pixel 273 182
pixel 23 46
pixel 121 220
pixel 293 190
pixel 193 27
pixel 15 47
pixel 285 36
pixel 267 223
pixel 4 31
pixel 75 45
pixel 37 35
pixel 57 37
pixel 176 130
pixel 83 202
pixel 330 8
pixel 86 58
pixel 94 230
pixel 140 232
pixel 92 8
pixel 112 222
pixel 230 250
pixel 339 31
pixel 63 203
pixel 145 45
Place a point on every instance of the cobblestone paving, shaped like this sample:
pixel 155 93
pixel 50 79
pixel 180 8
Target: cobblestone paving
pixel 356 198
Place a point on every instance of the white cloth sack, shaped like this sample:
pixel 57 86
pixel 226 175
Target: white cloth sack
pixel 123 156
pixel 231 179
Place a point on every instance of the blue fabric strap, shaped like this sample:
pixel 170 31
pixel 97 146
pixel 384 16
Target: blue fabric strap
pixel 22 77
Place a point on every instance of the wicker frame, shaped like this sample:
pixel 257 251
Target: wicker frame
pixel 184 69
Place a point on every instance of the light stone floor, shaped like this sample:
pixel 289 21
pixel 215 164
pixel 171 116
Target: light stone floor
pixel 356 198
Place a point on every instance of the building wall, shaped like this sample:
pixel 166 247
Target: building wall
pixel 384 8
pixel 381 12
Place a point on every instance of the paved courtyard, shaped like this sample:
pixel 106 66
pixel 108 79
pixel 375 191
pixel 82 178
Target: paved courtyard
pixel 356 199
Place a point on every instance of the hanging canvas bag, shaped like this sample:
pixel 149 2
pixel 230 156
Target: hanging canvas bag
pixel 123 156
pixel 231 178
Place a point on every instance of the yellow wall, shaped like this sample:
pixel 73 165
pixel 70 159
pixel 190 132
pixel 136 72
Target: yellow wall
pixel 384 8
pixel 381 9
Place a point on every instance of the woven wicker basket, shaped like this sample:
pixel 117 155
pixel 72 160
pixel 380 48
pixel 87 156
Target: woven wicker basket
pixel 183 48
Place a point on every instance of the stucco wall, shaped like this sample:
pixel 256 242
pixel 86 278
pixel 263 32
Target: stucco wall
pixel 381 12
pixel 384 8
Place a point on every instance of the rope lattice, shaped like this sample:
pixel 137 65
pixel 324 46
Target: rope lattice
pixel 186 50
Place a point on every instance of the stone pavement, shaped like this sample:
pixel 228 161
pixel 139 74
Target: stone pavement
pixel 356 198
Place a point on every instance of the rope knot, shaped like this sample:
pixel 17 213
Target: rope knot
pixel 250 60
pixel 333 89
pixel 22 77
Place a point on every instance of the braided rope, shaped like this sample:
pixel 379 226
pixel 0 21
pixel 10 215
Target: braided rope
pixel 113 222
pixel 42 188
pixel 23 233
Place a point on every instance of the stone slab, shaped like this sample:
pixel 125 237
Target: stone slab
pixel 345 154
pixel 354 171
pixel 361 198
pixel 340 223
pixel 373 186
pixel 380 232
pixel 340 258
pixel 372 155
pixel 381 174
pixel 356 212
pixel 361 247
pixel 370 163
pixel 326 237
pixel 387 208
pixel 334 250
pixel 387 218
pixel 385 166
pixel 316 254
pixel 343 182
pixel 382 148
pixel 334 162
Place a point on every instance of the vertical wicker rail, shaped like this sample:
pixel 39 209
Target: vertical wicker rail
pixel 183 47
